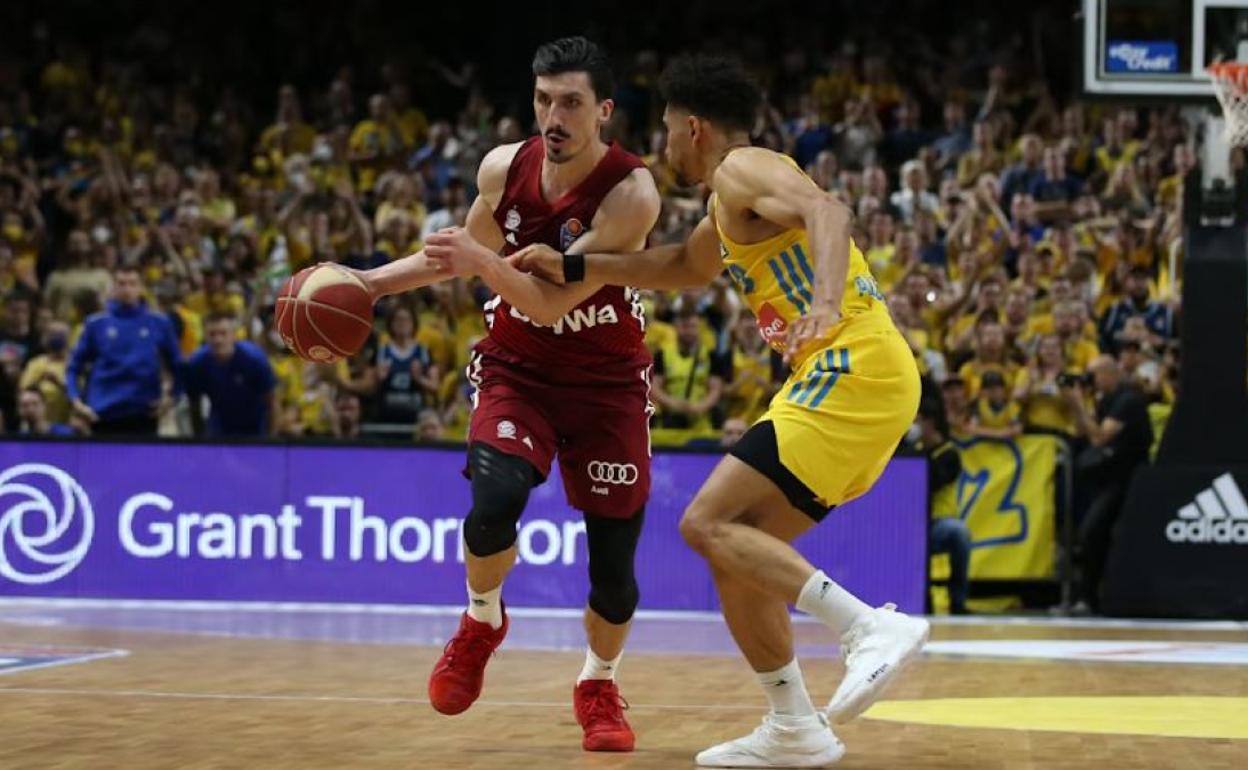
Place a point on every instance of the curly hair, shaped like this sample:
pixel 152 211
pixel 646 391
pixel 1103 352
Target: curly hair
pixel 716 88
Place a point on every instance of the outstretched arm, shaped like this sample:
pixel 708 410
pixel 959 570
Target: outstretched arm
pixel 623 221
pixel 417 270
pixel 691 264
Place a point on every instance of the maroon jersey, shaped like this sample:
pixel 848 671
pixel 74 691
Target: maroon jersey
pixel 603 331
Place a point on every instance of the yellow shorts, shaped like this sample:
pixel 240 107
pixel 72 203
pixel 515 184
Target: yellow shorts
pixel 840 416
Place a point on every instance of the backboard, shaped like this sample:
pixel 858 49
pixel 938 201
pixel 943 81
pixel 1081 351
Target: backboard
pixel 1159 48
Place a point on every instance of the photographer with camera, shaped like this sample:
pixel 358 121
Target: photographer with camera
pixel 1042 386
pixel 1119 434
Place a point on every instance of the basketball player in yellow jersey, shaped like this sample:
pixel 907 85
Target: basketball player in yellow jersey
pixel 827 435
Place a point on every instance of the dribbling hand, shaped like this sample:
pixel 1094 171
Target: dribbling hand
pixel 453 252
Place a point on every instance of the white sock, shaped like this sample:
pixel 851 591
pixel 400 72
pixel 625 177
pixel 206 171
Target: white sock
pixel 486 607
pixel 836 607
pixel 597 668
pixel 786 691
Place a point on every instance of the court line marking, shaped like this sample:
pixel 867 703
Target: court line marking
pixel 66 662
pixel 688 616
pixel 365 699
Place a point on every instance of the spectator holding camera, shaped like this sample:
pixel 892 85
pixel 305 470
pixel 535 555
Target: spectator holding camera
pixel 1041 389
pixel 1119 435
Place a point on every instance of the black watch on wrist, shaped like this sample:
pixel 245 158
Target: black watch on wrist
pixel 573 268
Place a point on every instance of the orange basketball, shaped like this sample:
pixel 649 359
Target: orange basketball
pixel 324 313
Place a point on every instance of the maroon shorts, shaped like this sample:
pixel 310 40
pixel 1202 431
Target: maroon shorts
pixel 600 433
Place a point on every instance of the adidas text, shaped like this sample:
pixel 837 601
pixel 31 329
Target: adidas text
pixel 1218 515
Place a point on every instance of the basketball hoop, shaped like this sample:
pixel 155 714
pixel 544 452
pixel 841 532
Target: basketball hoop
pixel 1230 81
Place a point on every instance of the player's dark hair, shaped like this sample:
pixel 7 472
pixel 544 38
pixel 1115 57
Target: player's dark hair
pixel 716 88
pixel 577 54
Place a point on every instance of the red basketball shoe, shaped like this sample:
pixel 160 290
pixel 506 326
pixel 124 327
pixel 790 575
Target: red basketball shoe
pixel 455 683
pixel 600 711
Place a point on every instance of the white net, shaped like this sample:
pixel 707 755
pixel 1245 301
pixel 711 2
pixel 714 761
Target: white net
pixel 1230 80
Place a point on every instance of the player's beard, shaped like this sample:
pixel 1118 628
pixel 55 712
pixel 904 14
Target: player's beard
pixel 560 152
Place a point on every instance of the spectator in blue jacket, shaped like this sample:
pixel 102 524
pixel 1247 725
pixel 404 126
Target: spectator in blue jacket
pixel 237 379
pixel 120 354
pixel 1158 316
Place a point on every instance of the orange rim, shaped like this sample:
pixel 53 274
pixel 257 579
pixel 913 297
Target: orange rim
pixel 1231 74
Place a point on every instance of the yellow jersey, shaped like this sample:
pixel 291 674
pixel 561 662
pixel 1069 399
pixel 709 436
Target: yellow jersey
pixel 777 278
pixel 852 394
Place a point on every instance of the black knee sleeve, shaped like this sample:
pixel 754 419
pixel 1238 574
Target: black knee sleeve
pixel 612 543
pixel 500 490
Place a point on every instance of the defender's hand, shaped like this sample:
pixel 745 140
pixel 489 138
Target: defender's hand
pixel 540 260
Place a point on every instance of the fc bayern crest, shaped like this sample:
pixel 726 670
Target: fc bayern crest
pixel 571 230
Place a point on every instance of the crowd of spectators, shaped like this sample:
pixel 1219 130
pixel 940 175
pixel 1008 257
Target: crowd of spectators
pixel 1019 233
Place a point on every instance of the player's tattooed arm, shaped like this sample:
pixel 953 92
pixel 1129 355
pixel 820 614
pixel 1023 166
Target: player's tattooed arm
pixel 761 181
pixel 692 264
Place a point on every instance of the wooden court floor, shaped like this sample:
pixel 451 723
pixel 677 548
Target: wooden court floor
pixel 203 701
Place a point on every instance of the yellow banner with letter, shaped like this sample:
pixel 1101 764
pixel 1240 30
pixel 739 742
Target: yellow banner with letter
pixel 1005 496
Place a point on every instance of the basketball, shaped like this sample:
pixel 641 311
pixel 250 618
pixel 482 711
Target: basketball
pixel 324 313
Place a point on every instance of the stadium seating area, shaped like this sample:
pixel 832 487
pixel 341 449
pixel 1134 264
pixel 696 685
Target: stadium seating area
pixel 1014 230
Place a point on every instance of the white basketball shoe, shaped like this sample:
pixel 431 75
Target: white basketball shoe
pixel 780 741
pixel 876 648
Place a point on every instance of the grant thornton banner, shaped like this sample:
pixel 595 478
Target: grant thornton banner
pixel 372 525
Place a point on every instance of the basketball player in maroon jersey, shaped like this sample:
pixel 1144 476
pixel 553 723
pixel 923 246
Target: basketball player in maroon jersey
pixel 572 380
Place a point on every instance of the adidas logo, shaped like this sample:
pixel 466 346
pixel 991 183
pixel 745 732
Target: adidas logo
pixel 1218 515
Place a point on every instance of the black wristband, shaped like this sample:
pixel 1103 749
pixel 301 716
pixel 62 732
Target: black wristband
pixel 573 268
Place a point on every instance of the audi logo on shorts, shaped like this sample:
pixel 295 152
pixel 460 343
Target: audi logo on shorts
pixel 625 474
